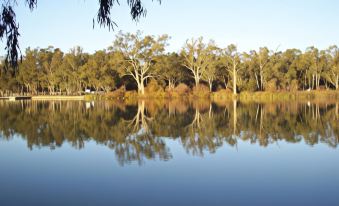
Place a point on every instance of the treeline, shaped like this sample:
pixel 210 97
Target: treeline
pixel 138 132
pixel 134 60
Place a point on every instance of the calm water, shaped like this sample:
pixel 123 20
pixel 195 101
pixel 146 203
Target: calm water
pixel 168 153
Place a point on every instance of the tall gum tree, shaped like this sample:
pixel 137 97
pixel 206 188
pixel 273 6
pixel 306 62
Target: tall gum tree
pixel 50 60
pixel 197 57
pixel 139 54
pixel 317 63
pixel 332 73
pixel 168 68
pixel 98 73
pixel 232 60
pixel 69 75
pixel 27 75
pixel 262 58
pixel 210 72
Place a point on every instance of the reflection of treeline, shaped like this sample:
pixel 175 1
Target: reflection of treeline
pixel 140 131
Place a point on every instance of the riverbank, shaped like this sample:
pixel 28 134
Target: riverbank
pixel 278 96
pixel 219 96
pixel 43 97
pixel 57 97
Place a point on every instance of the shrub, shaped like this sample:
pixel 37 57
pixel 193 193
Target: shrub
pixel 116 94
pixel 250 86
pixel 153 87
pixel 271 85
pixel 222 94
pixel 131 95
pixel 182 89
pixel 201 91
pixel 294 85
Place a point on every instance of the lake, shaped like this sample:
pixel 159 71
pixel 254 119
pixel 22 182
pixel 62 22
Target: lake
pixel 168 153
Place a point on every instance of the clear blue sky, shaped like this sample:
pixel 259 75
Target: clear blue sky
pixel 246 23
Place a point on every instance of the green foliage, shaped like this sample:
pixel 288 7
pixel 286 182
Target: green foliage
pixel 222 95
pixel 294 85
pixel 197 58
pixel 249 86
pixel 271 86
pixel 116 94
pixel 169 68
pixel 153 87
pixel 9 28
pixel 134 59
pixel 139 54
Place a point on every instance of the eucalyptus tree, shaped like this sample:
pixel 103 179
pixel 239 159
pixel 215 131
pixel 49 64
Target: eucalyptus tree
pixel 197 57
pixel 168 68
pixel 139 54
pixel 262 57
pixel 256 68
pixel 210 72
pixel 97 72
pixel 49 61
pixel 115 64
pixel 8 84
pixel 317 63
pixel 289 67
pixel 332 72
pixel 324 63
pixel 28 72
pixel 232 61
pixel 303 64
pixel 248 74
pixel 69 72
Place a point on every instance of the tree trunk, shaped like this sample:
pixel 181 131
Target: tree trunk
pixel 210 83
pixel 234 81
pixel 171 84
pixel 317 81
pixel 142 88
pixel 210 111
pixel 225 84
pixel 337 110
pixel 261 79
pixel 257 81
pixel 196 79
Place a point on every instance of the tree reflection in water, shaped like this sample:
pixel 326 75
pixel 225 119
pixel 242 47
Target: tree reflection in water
pixel 139 131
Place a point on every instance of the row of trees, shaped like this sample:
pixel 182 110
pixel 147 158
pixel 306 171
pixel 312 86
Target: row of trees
pixel 133 59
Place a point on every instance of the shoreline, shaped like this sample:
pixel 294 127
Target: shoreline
pixel 57 97
pixel 214 96
pixel 42 97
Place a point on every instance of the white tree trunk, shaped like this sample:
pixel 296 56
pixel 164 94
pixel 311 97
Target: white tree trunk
pixel 234 80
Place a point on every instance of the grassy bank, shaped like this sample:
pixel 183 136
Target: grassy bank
pixel 57 97
pixel 277 96
pixel 219 96
pixel 226 96
pixel 290 96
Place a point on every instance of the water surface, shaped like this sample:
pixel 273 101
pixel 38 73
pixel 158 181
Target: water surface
pixel 168 153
